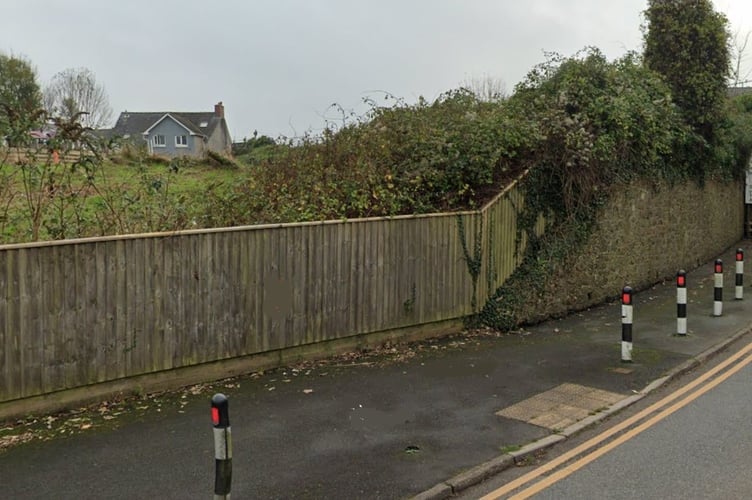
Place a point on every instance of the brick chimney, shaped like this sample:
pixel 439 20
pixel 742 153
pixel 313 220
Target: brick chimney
pixel 219 110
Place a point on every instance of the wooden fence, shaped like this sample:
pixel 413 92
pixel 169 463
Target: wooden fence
pixel 80 312
pixel 14 156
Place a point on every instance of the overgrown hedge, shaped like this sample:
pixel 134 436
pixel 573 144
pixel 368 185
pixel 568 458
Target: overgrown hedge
pixel 583 123
pixel 401 159
pixel 599 124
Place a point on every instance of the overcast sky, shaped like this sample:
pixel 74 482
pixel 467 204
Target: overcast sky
pixel 278 65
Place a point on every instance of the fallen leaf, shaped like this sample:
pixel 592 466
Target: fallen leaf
pixel 8 441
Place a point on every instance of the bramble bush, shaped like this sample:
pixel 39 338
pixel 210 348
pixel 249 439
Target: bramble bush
pixel 449 154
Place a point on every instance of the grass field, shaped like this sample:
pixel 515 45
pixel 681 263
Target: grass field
pixel 40 200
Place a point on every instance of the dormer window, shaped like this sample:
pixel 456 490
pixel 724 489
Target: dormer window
pixel 203 124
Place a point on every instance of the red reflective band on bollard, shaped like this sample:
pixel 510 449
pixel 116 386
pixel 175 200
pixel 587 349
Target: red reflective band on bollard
pixel 718 266
pixel 681 280
pixel 220 413
pixel 740 254
pixel 626 297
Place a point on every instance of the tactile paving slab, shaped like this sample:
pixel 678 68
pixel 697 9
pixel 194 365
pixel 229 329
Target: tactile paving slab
pixel 561 406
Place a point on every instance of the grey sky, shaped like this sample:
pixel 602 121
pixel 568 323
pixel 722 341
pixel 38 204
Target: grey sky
pixel 278 65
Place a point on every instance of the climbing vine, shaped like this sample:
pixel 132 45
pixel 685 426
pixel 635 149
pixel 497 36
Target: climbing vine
pixel 473 261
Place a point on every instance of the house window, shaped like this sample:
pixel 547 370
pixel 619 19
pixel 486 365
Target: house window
pixel 203 124
pixel 158 141
pixel 181 141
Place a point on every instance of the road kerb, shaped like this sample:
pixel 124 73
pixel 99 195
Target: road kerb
pixel 481 472
pixel 439 492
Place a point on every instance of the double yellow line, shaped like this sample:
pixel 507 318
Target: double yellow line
pixel 560 474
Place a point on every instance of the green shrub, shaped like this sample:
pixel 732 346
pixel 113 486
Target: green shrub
pixel 592 124
pixel 734 150
pixel 218 160
pixel 400 159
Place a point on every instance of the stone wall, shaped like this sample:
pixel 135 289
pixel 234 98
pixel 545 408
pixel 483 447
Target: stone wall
pixel 645 234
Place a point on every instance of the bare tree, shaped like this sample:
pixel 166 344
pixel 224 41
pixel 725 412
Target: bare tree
pixel 76 91
pixel 740 75
pixel 486 88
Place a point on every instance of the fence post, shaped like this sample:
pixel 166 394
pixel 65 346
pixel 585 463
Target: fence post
pixel 718 288
pixel 739 291
pixel 222 446
pixel 681 302
pixel 626 324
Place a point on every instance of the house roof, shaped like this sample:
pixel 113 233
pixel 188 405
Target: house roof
pixel 137 123
pixel 180 121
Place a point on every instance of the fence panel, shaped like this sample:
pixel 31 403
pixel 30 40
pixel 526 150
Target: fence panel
pixel 79 312
pixel 23 155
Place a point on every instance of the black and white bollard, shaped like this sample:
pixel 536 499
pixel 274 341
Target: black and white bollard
pixel 718 288
pixel 222 446
pixel 739 290
pixel 681 303
pixel 626 324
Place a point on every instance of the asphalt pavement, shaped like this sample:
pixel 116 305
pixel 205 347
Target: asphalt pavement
pixel 423 419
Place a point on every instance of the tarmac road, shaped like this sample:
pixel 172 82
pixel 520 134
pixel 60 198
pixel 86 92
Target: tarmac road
pixel 687 439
